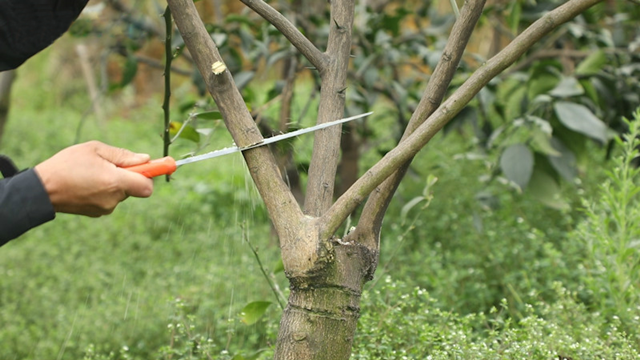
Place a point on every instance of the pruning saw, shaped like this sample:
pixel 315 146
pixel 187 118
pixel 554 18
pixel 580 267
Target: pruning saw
pixel 167 165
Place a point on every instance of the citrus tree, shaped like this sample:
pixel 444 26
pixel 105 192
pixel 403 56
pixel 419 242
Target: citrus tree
pixel 327 273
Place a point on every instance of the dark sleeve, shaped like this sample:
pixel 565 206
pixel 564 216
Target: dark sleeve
pixel 28 26
pixel 24 204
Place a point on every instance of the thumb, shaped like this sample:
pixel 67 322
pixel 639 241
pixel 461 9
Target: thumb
pixel 120 157
pixel 135 184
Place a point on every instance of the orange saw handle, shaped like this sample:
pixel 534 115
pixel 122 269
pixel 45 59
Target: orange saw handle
pixel 163 166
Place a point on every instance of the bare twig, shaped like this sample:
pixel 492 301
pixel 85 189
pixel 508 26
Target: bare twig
pixel 454 6
pixel 398 157
pixel 167 81
pixel 306 48
pixel 94 93
pixel 159 65
pixel 264 272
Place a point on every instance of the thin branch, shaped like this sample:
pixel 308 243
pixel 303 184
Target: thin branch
pixel 264 272
pixel 182 127
pixel 306 48
pixel 280 202
pixel 454 6
pixel 168 56
pixel 396 158
pixel 376 206
pixel 159 65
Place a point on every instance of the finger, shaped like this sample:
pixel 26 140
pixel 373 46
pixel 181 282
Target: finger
pixel 120 157
pixel 134 184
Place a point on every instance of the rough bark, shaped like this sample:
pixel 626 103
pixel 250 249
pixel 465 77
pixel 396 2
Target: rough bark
pixel 6 82
pixel 320 319
pixel 326 146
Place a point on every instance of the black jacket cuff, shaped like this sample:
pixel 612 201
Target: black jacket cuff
pixel 24 204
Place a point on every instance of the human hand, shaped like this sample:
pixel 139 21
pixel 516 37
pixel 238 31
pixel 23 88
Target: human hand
pixel 86 179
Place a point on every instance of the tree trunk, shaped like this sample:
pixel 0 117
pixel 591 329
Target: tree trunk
pixel 320 319
pixel 6 82
pixel 327 274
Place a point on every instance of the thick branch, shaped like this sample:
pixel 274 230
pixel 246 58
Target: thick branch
pixel 376 206
pixel 326 146
pixel 396 158
pixel 306 48
pixel 281 204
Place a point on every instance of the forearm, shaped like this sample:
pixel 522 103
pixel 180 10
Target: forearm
pixel 24 204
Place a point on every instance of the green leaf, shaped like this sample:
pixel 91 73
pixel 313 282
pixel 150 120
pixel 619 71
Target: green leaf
pixel 277 56
pixel 188 131
pixel 186 105
pixel 592 64
pixel 565 162
pixel 243 78
pixel 568 86
pixel 580 119
pixel 541 83
pixel 514 16
pixel 408 206
pixel 238 357
pixel 254 311
pixel 209 115
pixel 129 71
pixel 516 163
pixel 546 190
pixel 279 267
pixel 514 108
pixel 541 142
pixel 590 90
pixel 235 18
pixel 506 88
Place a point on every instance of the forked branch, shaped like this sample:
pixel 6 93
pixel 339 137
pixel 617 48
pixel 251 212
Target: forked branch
pixel 393 160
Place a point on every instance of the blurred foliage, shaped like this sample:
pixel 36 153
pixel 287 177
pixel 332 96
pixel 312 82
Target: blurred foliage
pixel 574 86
